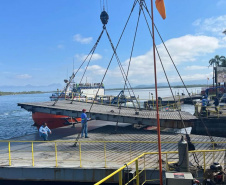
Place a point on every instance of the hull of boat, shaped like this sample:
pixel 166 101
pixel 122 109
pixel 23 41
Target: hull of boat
pixel 52 120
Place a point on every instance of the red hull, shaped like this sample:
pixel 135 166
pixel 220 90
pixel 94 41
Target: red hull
pixel 52 120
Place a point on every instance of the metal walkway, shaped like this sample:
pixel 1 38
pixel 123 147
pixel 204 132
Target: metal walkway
pixel 169 119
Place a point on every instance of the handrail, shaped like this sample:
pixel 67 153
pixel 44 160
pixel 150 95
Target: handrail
pixel 103 98
pixel 120 169
pixel 57 149
pixel 149 153
pixel 97 141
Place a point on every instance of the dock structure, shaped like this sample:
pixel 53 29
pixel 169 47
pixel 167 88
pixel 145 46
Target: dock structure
pixel 178 99
pixel 29 158
pixel 170 119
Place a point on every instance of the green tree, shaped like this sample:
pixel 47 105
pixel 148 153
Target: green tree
pixel 223 61
pixel 217 61
pixel 214 62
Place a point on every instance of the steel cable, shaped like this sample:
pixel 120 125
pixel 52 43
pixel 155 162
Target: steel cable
pixel 117 47
pixel 178 73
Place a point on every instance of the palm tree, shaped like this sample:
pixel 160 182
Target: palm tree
pixel 223 64
pixel 217 61
pixel 214 62
pixel 223 61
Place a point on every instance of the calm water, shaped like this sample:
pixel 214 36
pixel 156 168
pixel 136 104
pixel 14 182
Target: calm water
pixel 15 122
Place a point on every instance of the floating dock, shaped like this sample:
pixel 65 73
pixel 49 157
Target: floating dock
pixel 168 119
pixel 178 99
pixel 29 158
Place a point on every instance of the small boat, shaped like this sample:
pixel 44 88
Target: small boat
pixel 58 96
pixel 79 92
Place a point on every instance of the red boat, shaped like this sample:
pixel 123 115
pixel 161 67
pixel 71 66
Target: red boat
pixel 83 91
pixel 52 120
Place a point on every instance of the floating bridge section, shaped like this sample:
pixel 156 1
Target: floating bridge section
pixel 168 119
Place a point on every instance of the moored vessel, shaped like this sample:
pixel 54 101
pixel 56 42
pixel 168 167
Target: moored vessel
pixel 81 92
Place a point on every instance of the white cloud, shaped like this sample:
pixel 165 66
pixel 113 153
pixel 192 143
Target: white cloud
pixel 191 68
pixel 82 40
pixel 194 77
pixel 224 39
pixel 82 57
pixel 215 25
pixel 196 22
pixel 23 76
pixel 60 46
pixel 96 69
pixel 183 50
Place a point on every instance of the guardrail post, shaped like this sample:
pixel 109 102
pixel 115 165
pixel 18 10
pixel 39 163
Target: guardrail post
pixel 9 154
pixel 105 160
pixel 218 110
pixel 179 103
pixel 213 153
pixel 167 167
pixel 32 153
pixel 145 174
pixel 204 161
pixel 130 152
pixel 120 178
pixel 56 153
pixel 137 173
pixel 80 154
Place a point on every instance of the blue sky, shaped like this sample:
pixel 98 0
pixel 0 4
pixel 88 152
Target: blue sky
pixel 39 39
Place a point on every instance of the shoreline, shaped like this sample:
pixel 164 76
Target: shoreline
pixel 23 92
pixel 2 93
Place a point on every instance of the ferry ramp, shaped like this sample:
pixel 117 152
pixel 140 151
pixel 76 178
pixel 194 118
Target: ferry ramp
pixel 168 119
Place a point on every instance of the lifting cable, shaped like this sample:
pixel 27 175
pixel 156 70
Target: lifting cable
pixel 94 48
pixel 134 39
pixel 211 138
pixel 194 155
pixel 108 68
pixel 74 74
pixel 92 54
pixel 131 54
pixel 114 49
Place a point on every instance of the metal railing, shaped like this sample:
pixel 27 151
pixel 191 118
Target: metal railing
pixel 210 111
pixel 140 170
pixel 105 153
pixel 148 104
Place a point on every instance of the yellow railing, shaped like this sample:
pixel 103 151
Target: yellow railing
pixel 106 100
pixel 103 152
pixel 142 169
pixel 209 111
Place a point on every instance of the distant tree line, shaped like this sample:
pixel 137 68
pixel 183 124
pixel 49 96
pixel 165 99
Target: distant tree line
pixel 24 92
